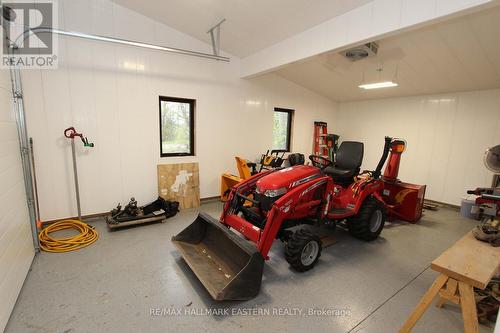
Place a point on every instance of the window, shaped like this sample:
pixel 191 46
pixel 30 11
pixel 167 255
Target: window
pixel 176 126
pixel 282 129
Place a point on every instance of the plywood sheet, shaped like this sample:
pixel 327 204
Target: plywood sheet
pixel 469 260
pixel 180 182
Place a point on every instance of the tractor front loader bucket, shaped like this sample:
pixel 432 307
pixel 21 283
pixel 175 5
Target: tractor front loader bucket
pixel 227 265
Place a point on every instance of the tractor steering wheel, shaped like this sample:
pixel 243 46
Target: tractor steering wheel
pixel 319 161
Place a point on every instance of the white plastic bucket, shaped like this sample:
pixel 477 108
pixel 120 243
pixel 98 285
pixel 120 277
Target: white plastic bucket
pixel 468 208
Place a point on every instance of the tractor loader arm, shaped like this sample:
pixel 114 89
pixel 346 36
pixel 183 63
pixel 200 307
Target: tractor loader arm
pixel 291 204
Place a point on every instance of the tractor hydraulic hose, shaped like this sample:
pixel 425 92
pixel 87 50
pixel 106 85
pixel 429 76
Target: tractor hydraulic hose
pixel 387 147
pixel 87 235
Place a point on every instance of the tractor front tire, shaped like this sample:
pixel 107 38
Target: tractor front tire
pixel 369 222
pixel 303 250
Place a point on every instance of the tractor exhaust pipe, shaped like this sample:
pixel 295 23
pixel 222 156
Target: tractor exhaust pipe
pixel 228 266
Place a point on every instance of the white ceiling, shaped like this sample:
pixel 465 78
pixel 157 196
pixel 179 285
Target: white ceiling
pixel 458 55
pixel 250 26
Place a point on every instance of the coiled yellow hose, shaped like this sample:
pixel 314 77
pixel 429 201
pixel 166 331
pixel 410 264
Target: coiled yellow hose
pixel 87 236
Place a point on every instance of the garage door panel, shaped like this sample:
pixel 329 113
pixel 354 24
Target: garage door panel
pixel 16 242
pixel 12 285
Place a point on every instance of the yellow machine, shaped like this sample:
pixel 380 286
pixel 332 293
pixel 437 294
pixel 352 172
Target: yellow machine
pixel 227 180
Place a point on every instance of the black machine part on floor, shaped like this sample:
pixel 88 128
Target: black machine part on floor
pixel 228 266
pixel 158 210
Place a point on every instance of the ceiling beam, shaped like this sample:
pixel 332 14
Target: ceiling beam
pixel 374 20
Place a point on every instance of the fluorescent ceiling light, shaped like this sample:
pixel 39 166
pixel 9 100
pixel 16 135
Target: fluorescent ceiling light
pixel 377 85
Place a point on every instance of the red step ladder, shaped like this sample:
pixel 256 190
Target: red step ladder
pixel 320 146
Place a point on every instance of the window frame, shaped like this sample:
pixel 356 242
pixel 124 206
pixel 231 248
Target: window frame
pixel 192 106
pixel 290 113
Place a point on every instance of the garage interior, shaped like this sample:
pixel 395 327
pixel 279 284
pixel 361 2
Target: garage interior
pixel 284 165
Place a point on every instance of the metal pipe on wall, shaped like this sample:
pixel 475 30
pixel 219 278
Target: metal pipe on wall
pixel 17 92
pixel 121 41
pixel 75 174
pixel 17 95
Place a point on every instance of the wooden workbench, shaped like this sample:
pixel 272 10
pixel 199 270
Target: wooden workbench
pixel 467 264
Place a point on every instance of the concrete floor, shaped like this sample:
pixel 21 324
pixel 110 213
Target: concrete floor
pixel 116 284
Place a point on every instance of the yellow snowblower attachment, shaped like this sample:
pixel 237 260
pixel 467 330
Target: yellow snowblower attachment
pixel 227 180
pixel 229 266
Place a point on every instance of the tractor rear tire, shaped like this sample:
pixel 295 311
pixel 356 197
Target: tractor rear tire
pixel 369 222
pixel 303 250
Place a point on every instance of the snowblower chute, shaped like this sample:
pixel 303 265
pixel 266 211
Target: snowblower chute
pixel 229 266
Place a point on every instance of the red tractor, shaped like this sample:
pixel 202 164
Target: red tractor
pixel 274 204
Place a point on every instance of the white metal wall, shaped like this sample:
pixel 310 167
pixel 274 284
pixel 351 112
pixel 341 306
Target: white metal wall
pixel 110 93
pixel 447 136
pixel 16 243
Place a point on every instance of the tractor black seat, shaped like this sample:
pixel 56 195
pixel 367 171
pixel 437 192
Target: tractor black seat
pixel 340 175
pixel 347 163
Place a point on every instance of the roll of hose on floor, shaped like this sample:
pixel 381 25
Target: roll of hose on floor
pixel 87 235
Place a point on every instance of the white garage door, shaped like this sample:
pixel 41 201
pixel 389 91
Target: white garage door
pixel 16 242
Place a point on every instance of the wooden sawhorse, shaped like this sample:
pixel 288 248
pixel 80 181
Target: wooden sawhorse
pixel 467 264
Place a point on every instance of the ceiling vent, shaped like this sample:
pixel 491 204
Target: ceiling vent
pixel 361 52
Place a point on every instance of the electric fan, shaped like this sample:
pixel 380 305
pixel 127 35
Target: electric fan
pixel 492 162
